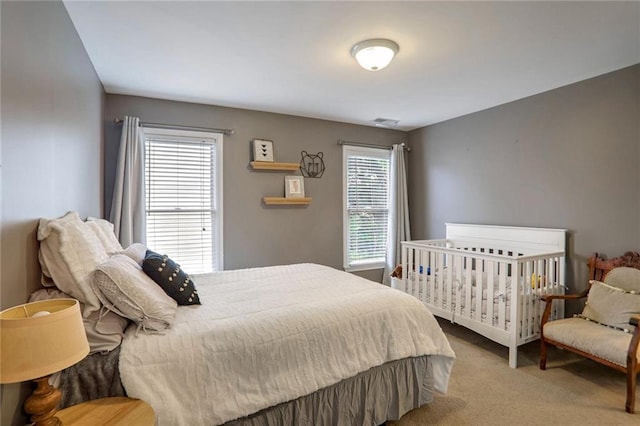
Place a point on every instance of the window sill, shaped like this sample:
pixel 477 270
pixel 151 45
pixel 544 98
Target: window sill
pixel 365 267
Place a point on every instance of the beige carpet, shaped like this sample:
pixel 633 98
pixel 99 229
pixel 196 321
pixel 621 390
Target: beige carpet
pixel 483 390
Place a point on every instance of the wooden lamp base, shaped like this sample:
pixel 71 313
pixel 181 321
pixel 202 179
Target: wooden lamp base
pixel 42 405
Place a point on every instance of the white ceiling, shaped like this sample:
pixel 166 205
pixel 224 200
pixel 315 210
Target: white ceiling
pixel 294 57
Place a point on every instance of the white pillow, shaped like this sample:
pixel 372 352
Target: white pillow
pixel 136 251
pixel 45 276
pixel 611 306
pixel 46 279
pixel 104 231
pixel 70 251
pixel 122 286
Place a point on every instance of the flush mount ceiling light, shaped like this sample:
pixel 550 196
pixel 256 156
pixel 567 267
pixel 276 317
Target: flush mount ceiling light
pixel 374 54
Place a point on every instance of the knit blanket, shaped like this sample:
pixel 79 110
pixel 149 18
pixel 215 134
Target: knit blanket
pixel 94 377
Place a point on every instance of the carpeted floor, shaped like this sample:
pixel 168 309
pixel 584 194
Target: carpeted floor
pixel 483 390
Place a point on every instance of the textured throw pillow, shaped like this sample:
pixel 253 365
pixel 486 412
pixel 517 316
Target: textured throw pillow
pixel 122 286
pixel 70 251
pixel 170 276
pixel 611 306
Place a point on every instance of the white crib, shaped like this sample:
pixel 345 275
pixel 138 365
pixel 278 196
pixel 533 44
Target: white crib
pixel 489 278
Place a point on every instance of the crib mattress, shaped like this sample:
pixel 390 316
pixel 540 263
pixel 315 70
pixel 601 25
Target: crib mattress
pixel 451 288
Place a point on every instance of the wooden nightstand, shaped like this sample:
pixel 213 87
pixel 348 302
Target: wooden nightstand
pixel 117 411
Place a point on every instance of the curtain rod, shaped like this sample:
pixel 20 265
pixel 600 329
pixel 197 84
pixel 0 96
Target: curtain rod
pixel 226 132
pixel 371 145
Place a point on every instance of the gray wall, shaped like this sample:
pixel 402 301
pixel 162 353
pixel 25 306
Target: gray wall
pixel 52 103
pixel 256 235
pixel 568 158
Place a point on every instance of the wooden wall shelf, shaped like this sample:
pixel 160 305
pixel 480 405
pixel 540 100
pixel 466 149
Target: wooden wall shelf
pixel 265 165
pixel 282 201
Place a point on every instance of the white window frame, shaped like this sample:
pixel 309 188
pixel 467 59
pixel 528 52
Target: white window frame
pixel 217 140
pixel 347 151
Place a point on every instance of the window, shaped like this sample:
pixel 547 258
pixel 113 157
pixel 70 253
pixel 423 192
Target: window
pixel 183 177
pixel 366 183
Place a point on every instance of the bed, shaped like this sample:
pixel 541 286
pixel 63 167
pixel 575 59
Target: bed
pixel 489 279
pixel 289 344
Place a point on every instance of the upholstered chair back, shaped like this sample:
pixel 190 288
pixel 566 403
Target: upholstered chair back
pixel 625 278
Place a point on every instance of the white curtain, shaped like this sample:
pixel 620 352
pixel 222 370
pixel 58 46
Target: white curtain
pixel 399 228
pixel 128 203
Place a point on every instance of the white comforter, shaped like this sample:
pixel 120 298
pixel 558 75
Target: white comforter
pixel 264 336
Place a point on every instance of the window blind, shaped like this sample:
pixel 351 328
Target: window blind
pixel 181 188
pixel 367 205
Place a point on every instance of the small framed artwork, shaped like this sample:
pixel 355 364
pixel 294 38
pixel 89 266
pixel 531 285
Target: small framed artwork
pixel 294 187
pixel 263 150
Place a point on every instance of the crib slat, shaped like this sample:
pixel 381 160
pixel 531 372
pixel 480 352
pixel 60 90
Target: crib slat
pixel 411 271
pixel 553 285
pixel 531 279
pixel 417 274
pixel 424 262
pixel 535 297
pixel 519 285
pixel 457 260
pixel 468 284
pixel 560 283
pixel 529 285
pixel 448 288
pixel 490 290
pixel 440 280
pixel 480 268
pixel 431 278
pixel 502 299
pixel 405 250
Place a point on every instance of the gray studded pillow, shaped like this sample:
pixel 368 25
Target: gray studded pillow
pixel 171 278
pixel 611 306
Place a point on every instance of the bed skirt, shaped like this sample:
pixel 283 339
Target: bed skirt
pixel 382 393
pixel 372 397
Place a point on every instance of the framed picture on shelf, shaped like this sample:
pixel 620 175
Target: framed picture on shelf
pixel 263 150
pixel 294 187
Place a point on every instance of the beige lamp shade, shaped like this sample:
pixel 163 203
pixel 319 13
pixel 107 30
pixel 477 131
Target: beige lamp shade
pixel 40 338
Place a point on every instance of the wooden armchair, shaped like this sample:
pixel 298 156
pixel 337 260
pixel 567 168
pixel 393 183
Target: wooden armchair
pixel 594 339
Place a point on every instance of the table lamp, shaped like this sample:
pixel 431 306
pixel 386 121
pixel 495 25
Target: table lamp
pixel 36 340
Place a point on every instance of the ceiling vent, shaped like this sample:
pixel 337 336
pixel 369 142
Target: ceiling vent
pixel 385 122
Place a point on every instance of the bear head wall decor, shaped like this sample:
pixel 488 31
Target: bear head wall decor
pixel 312 165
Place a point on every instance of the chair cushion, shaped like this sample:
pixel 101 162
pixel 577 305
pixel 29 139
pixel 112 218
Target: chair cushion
pixel 590 337
pixel 611 306
pixel 625 278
